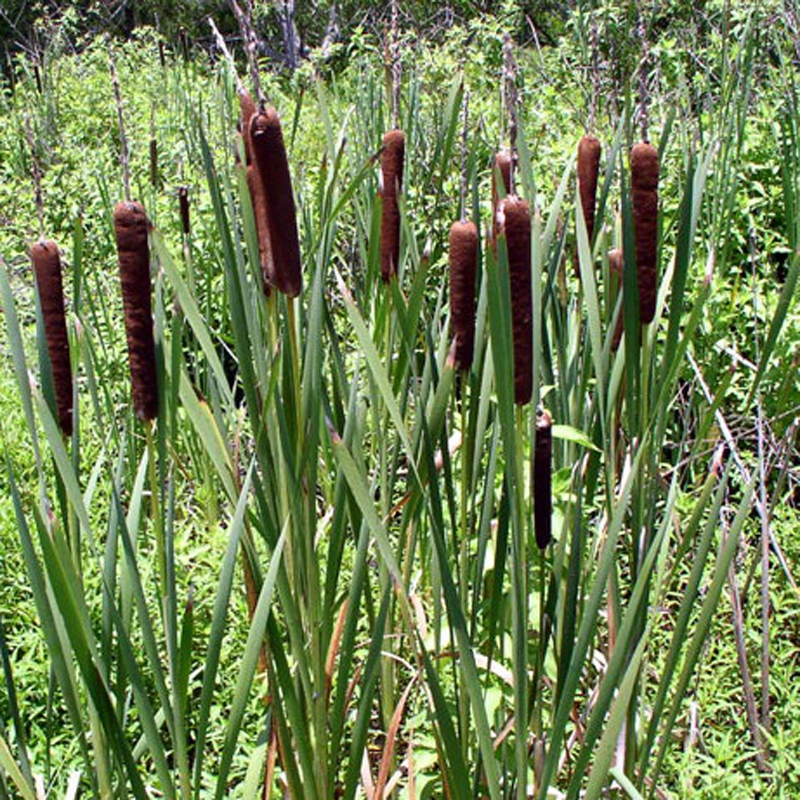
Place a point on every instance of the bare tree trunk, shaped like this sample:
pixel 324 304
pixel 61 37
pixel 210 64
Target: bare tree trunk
pixel 291 38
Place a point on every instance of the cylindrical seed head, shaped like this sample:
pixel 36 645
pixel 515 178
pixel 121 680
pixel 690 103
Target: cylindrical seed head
pixel 644 199
pixel 261 215
pixel 543 481
pixel 183 207
pixel 588 167
pixel 463 263
pixel 616 264
pixel 47 266
pixel 392 158
pixel 515 221
pixel 269 154
pixel 131 226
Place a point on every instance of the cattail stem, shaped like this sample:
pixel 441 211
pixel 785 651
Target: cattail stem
pixel 36 173
pixel 595 43
pixel 123 139
pixel 155 507
pixel 47 266
pixel 464 175
pixel 510 96
pixel 394 54
pixel 644 66
pixel 131 227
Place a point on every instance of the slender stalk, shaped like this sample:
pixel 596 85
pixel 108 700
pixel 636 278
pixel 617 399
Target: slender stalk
pixel 155 508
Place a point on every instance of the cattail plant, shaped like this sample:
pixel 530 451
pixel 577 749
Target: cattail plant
pixel 463 261
pixel 616 264
pixel 272 166
pixel 47 266
pixel 392 158
pixel 588 166
pixel 514 219
pixel 644 198
pixel 543 481
pixel 131 226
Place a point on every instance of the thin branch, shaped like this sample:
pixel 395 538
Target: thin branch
pixel 595 43
pixel 36 173
pixel 220 42
pixel 123 139
pixel 464 177
pixel 244 18
pixel 730 440
pixel 510 98
pixel 744 669
pixel 394 55
pixel 644 67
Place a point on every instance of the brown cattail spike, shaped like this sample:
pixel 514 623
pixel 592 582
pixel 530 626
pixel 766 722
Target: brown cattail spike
pixel 256 190
pixel 131 226
pixel 514 217
pixel 644 198
pixel 47 265
pixel 394 144
pixel 616 264
pixel 543 481
pixel 154 162
pixel 588 168
pixel 269 153
pixel 183 207
pixel 463 261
